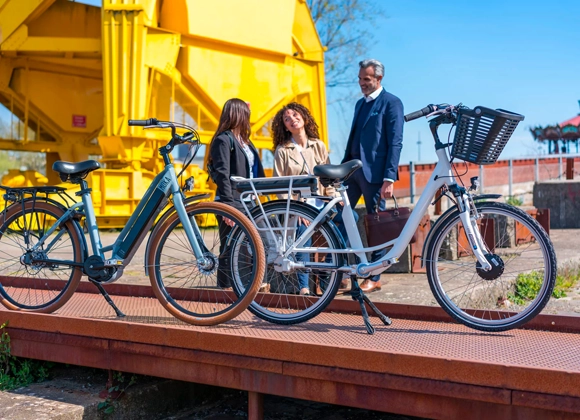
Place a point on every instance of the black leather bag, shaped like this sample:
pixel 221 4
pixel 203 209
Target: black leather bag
pixel 384 226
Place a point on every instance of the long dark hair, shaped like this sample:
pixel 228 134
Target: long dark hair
pixel 235 114
pixel 282 136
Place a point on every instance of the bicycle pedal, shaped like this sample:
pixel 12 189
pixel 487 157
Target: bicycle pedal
pixel 113 263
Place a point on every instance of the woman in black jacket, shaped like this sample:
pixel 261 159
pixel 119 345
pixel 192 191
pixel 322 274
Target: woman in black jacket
pixel 232 153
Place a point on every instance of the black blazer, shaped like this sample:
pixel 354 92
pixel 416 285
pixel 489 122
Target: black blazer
pixel 228 162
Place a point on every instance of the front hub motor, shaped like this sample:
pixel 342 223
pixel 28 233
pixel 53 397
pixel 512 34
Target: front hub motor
pixel 497 267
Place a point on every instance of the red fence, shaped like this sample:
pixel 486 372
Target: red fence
pixel 522 170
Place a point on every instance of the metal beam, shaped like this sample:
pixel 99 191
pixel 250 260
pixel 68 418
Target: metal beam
pixel 371 390
pixel 15 13
pixel 59 45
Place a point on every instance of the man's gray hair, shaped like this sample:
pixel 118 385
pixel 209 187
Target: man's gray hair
pixel 375 64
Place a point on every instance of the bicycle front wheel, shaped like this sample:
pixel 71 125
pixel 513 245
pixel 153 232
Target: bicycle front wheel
pixel 520 282
pixel 200 292
pixel 27 282
pixel 279 301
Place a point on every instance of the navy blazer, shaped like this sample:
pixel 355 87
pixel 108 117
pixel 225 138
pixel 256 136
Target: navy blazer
pixel 381 138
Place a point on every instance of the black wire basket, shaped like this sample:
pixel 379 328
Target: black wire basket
pixel 482 133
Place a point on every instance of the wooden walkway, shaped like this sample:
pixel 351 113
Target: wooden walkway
pixel 420 366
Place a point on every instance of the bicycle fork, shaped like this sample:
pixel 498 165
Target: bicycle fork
pixel 469 216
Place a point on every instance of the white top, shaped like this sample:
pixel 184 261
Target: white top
pixel 249 155
pixel 374 95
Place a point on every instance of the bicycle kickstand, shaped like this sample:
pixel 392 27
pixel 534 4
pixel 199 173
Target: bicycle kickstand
pixel 358 294
pixel 108 298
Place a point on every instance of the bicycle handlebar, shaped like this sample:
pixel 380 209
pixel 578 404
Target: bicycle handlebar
pixel 144 123
pixel 421 113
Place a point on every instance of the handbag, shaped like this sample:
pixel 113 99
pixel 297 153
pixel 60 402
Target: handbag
pixel 384 226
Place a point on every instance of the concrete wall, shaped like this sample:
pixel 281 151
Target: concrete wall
pixel 563 200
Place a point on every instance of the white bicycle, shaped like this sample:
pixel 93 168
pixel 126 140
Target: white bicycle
pixel 490 265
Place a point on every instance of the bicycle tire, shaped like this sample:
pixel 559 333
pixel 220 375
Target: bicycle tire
pixel 516 289
pixel 290 308
pixel 192 293
pixel 39 287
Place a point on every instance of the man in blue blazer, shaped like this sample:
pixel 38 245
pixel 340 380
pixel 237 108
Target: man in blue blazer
pixel 376 138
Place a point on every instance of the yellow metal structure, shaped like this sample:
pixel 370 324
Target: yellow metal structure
pixel 71 76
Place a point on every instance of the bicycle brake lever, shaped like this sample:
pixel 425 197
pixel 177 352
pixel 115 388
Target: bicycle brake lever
pixel 442 109
pixel 160 125
pixel 437 112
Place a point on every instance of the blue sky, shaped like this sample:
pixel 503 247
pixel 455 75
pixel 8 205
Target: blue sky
pixel 523 56
pixel 519 55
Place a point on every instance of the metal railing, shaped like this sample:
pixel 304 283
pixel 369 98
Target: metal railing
pixel 414 176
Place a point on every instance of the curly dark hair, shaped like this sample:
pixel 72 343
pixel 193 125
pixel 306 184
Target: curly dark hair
pixel 281 135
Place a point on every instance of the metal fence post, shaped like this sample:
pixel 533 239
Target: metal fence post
pixel 412 181
pixel 537 170
pixel 569 168
pixel 510 176
pixel 561 171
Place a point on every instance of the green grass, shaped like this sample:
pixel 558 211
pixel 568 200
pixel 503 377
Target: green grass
pixel 528 285
pixel 17 372
pixel 512 200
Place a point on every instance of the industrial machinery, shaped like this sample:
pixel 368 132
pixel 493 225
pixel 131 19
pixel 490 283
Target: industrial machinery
pixel 71 75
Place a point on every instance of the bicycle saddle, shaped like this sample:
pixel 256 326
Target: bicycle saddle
pixel 74 171
pixel 330 174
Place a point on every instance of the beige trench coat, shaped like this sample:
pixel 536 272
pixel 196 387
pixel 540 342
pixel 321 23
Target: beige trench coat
pixel 288 161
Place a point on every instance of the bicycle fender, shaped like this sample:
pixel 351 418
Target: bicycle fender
pixel 486 197
pixel 187 202
pixel 450 212
pixel 47 199
pixel 77 225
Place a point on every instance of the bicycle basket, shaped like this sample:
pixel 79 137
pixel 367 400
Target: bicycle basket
pixel 482 133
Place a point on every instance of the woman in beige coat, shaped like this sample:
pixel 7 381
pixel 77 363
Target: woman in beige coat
pixel 297 147
pixel 297 151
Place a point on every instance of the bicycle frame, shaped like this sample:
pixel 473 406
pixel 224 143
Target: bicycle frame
pixel 442 175
pixel 154 200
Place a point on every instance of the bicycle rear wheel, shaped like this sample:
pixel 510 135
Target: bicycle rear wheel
pixel 197 292
pixel 517 287
pixel 280 302
pixel 29 285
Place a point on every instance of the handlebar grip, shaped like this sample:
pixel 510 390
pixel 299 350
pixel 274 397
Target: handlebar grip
pixel 421 113
pixel 144 123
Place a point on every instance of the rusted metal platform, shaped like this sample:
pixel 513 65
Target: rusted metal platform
pixel 420 366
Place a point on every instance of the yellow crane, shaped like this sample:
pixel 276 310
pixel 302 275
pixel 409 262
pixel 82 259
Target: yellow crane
pixel 71 75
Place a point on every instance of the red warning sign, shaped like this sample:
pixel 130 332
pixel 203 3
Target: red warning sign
pixel 79 121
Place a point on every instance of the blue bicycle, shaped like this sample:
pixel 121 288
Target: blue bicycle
pixel 191 264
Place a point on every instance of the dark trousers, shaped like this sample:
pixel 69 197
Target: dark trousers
pixel 224 274
pixel 358 186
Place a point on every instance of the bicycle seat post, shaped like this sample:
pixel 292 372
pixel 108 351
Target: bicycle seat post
pixel 91 220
